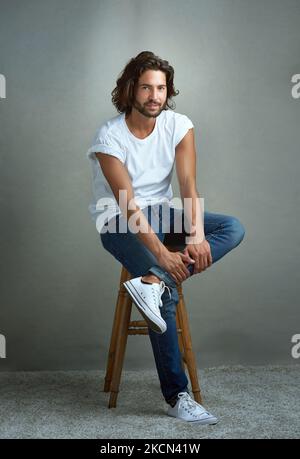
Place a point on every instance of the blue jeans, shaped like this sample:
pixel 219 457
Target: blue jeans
pixel 223 234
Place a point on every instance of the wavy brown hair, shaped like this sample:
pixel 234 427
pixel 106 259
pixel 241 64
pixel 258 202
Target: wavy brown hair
pixel 123 94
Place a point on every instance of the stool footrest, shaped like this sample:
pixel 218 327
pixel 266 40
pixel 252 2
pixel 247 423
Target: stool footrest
pixel 138 323
pixel 138 331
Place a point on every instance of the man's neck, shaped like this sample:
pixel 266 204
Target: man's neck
pixel 139 123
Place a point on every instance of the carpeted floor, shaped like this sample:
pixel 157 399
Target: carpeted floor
pixel 250 402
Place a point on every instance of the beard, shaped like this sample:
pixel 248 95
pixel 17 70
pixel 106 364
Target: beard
pixel 150 113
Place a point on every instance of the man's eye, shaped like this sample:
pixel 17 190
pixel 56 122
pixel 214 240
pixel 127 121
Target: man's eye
pixel 146 87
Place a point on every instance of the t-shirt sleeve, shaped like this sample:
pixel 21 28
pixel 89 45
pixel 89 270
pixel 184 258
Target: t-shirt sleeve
pixel 182 125
pixel 106 143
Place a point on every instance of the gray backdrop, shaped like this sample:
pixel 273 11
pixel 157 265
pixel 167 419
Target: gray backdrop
pixel 233 62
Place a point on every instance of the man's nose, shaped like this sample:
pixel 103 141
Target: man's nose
pixel 154 95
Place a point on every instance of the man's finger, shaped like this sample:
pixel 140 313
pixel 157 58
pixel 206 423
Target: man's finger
pixel 188 259
pixel 197 267
pixel 183 275
pixel 177 280
pixel 186 253
pixel 184 269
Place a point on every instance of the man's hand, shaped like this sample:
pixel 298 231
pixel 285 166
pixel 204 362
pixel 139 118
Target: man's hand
pixel 200 252
pixel 175 263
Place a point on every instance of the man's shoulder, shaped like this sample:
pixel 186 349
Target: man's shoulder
pixel 171 115
pixel 109 134
pixel 111 126
pixel 177 121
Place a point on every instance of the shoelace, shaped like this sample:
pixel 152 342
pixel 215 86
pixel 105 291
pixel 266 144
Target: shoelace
pixel 184 397
pixel 159 293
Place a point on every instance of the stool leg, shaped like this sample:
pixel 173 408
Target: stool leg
pixel 180 340
pixel 121 342
pixel 122 295
pixel 112 348
pixel 187 344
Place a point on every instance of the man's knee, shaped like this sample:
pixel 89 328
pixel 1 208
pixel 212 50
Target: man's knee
pixel 236 229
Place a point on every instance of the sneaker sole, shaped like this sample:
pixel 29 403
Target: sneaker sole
pixel 211 421
pixel 141 307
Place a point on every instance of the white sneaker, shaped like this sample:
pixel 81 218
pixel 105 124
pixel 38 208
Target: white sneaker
pixel 189 410
pixel 147 298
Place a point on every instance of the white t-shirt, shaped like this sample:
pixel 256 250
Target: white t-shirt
pixel 149 162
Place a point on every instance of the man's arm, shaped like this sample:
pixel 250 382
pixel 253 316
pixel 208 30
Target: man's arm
pixel 197 246
pixel 118 178
pixel 186 173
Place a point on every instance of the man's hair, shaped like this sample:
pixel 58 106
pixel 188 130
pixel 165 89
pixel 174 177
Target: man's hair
pixel 123 94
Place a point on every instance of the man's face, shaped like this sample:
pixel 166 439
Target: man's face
pixel 151 93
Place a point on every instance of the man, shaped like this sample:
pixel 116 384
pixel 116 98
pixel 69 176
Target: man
pixel 132 158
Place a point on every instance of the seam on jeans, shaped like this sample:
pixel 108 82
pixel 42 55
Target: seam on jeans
pixel 162 362
pixel 174 396
pixel 219 229
pixel 213 234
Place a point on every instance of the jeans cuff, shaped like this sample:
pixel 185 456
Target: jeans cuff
pixel 164 275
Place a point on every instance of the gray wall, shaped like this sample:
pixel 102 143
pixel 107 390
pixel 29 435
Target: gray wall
pixel 233 62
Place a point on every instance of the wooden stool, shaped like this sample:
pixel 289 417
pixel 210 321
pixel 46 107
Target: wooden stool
pixel 122 327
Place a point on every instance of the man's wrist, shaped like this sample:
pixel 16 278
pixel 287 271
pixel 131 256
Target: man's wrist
pixel 160 251
pixel 194 240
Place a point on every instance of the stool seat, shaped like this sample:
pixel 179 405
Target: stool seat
pixel 123 326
